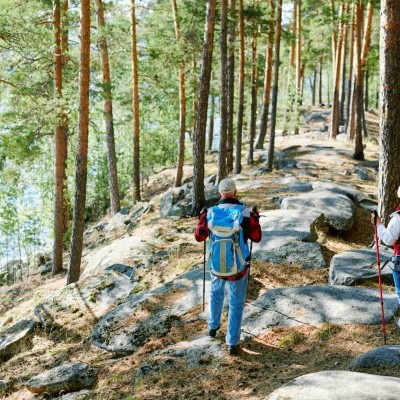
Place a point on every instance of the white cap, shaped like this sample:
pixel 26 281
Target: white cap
pixel 227 186
pixel 398 192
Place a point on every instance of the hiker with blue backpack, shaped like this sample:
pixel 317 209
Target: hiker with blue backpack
pixel 229 226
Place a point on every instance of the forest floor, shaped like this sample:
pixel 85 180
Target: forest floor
pixel 265 362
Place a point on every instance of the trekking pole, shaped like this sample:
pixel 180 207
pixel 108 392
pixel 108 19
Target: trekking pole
pixel 204 273
pixel 378 261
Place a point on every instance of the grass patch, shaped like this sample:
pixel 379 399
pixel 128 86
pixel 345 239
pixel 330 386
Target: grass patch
pixel 327 331
pixel 292 338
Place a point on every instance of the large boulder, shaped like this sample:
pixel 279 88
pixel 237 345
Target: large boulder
pixel 384 356
pixel 311 305
pixel 125 250
pixel 77 307
pixel 289 236
pixel 17 338
pixel 63 379
pixel 338 210
pixel 149 314
pixel 347 190
pixel 339 385
pixel 354 266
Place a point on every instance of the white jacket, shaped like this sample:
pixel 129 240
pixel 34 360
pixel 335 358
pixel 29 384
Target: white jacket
pixel 391 234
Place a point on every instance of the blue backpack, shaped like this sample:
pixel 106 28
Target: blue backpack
pixel 227 249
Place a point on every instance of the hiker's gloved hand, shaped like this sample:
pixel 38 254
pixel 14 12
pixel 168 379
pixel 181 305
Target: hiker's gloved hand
pixel 375 219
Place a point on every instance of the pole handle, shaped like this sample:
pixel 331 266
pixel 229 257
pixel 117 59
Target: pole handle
pixel 375 216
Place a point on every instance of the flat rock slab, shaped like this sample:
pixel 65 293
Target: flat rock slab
pixel 347 190
pixel 81 395
pixel 384 356
pixel 126 250
pixel 77 307
pixel 312 305
pixel 201 351
pixel 291 184
pixel 244 185
pixel 149 314
pixel 339 385
pixel 66 378
pixel 338 210
pixel 354 266
pixel 16 338
pixel 289 236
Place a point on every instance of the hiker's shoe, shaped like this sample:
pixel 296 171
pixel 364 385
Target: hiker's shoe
pixel 233 350
pixel 213 332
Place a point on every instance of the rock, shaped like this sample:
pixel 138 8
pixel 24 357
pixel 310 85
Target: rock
pixel 292 184
pixel 46 268
pixel 251 184
pixel 149 314
pixel 121 251
pixel 16 338
pixel 122 269
pixel 100 227
pixel 306 172
pixel 384 356
pixel 210 180
pixel 363 174
pixel 77 307
pixel 350 191
pixel 283 234
pixel 311 305
pixel 355 266
pixel 369 164
pixel 282 162
pixel 4 386
pixel 368 204
pixel 338 210
pixel 315 117
pixel 193 354
pixel 306 164
pixel 81 395
pixel 65 378
pixel 339 385
pixel 138 210
pixel 127 216
pixel 324 128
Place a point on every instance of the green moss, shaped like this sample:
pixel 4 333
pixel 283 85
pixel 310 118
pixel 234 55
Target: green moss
pixel 327 331
pixel 291 339
pixel 99 288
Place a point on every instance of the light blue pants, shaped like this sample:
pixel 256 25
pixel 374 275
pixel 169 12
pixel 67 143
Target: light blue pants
pixel 237 297
pixel 396 278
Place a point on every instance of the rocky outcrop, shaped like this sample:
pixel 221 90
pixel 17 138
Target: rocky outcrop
pixel 338 385
pixel 384 356
pixel 311 305
pixel 17 338
pixel 63 379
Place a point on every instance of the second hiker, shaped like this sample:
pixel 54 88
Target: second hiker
pixel 229 225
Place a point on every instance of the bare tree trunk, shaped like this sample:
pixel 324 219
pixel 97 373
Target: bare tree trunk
pixel 343 77
pixel 81 157
pixel 334 128
pixel 239 129
pixel 182 102
pixel 313 84
pixel 358 91
pixel 298 68
pixel 108 113
pixel 389 166
pixel 231 84
pixel 267 79
pixel 349 101
pixel 275 84
pixel 334 35
pixel 320 83
pixel 366 95
pixel 222 171
pixel 60 145
pixel 199 137
pixel 135 107
pixel 253 107
pixel 211 124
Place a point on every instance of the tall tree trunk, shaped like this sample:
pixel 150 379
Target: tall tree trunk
pixel 389 166
pixel 334 128
pixel 358 91
pixel 298 68
pixel 60 145
pixel 135 107
pixel 231 83
pixel 343 69
pixel 81 157
pixel 240 112
pixel 349 102
pixel 222 171
pixel 199 137
pixel 211 124
pixel 108 113
pixel 320 83
pixel 182 102
pixel 275 84
pixel 314 87
pixel 334 35
pixel 267 79
pixel 366 95
pixel 253 107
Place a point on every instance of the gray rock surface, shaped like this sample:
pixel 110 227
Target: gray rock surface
pixel 122 269
pixel 249 184
pixel 65 378
pixel 339 385
pixel 16 338
pixel 354 266
pixel 347 190
pixel 338 210
pixel 149 314
pixel 291 184
pixel 77 307
pixel 363 174
pixel 81 395
pixel 384 356
pixel 306 172
pixel 283 235
pixel 311 305
pixel 4 385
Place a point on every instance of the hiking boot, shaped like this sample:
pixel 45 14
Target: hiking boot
pixel 213 332
pixel 233 350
